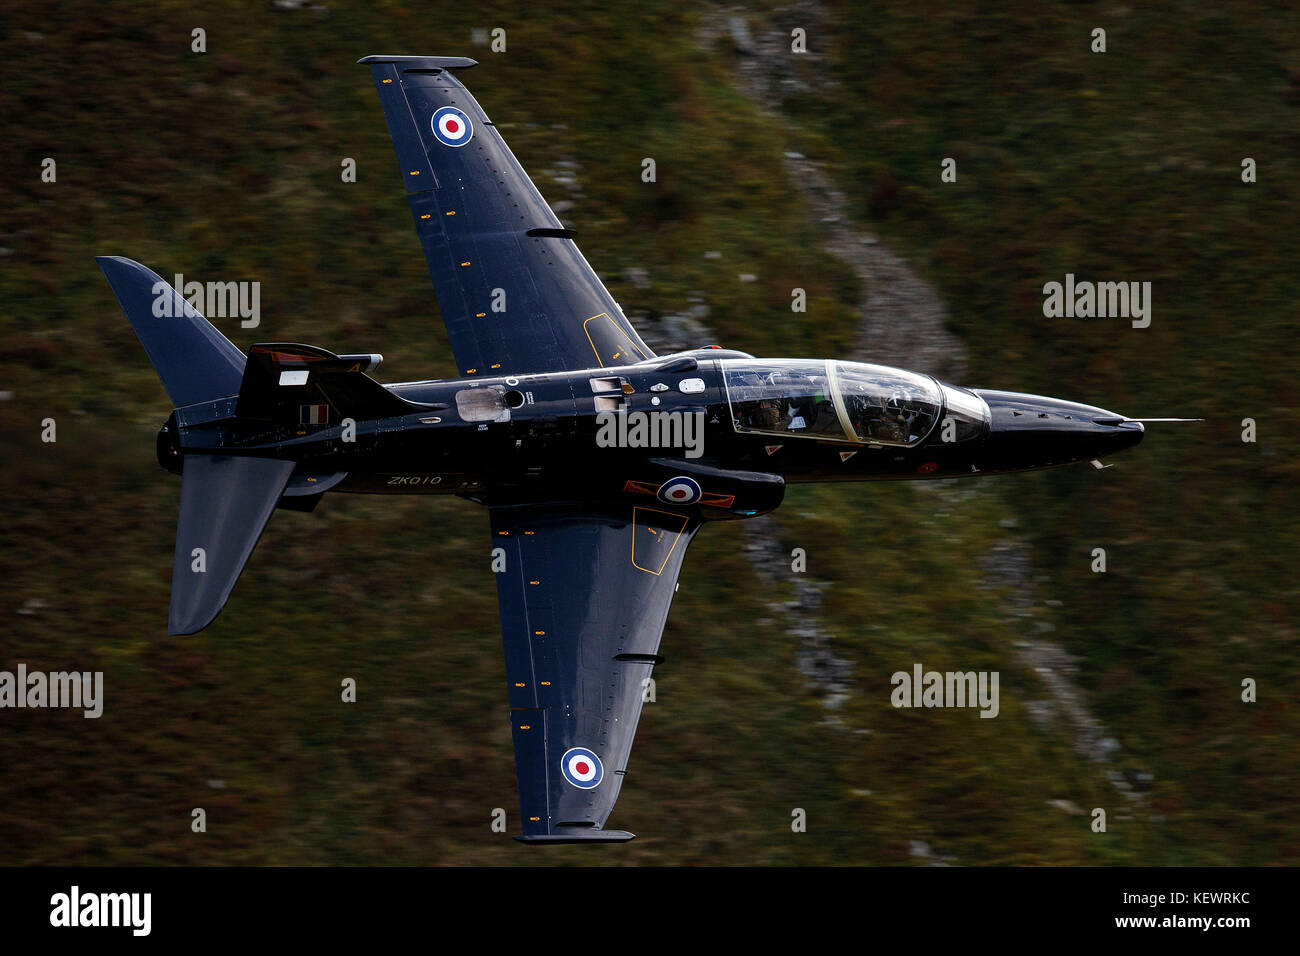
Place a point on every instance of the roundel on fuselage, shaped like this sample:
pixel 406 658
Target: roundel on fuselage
pixel 679 491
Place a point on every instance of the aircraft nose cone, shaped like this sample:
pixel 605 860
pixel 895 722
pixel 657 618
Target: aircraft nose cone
pixel 1032 431
pixel 1123 435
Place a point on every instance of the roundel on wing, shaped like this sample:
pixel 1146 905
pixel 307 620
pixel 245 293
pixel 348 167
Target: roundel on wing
pixel 452 127
pixel 582 768
pixel 679 491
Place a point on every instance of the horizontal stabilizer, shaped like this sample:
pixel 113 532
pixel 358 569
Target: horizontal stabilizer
pixel 195 362
pixel 225 504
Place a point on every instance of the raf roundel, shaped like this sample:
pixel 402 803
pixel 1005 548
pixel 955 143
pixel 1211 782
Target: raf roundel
pixel 680 491
pixel 452 127
pixel 582 768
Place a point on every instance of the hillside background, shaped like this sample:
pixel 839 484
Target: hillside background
pixel 1119 690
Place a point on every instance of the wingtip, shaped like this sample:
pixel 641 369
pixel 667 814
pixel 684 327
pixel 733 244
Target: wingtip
pixel 421 62
pixel 576 836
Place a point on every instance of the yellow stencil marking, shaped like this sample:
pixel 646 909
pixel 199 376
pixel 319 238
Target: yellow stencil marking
pixel 627 346
pixel 673 547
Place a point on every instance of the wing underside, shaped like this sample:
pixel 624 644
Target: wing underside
pixel 584 596
pixel 515 293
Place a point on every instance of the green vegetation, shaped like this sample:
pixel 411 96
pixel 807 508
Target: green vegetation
pixel 1117 166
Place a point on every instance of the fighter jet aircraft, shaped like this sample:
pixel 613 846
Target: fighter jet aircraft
pixel 597 459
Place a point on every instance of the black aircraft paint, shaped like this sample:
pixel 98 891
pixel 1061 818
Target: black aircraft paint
pixel 587 540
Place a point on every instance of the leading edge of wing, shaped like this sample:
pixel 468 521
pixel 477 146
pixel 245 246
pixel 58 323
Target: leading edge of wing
pixel 584 593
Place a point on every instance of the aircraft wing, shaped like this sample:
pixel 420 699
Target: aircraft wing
pixel 584 595
pixel 515 293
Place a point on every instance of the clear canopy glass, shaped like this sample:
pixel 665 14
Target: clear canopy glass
pixel 833 401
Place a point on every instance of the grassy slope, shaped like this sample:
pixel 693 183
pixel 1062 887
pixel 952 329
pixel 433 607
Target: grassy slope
pixel 1124 166
pixel 226 165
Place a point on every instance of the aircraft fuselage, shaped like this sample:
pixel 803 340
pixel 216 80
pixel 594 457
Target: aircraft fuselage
pixel 737 426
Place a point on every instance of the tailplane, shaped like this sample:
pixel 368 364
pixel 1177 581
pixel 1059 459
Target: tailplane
pixel 224 400
pixel 226 501
pixel 195 362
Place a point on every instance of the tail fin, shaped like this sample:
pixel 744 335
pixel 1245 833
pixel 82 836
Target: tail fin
pixel 287 382
pixel 225 504
pixel 195 362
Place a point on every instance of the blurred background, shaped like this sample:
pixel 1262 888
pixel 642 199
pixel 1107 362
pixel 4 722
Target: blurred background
pixel 775 170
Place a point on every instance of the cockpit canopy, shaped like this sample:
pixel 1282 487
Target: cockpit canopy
pixel 833 401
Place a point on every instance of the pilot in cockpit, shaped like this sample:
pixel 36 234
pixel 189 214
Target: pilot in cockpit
pixel 767 415
pixel 801 406
pixel 875 422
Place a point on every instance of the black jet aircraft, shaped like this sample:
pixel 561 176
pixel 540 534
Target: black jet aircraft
pixel 597 459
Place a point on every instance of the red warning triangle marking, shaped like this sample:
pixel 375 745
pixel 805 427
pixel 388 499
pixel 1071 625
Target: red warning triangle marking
pixel 772 449
pixel 846 455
